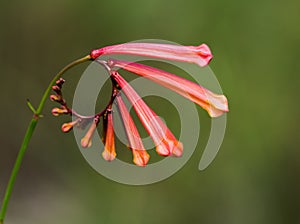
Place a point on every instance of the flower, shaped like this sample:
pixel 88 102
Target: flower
pixel 200 55
pixel 215 104
pixel 140 155
pixel 109 152
pixel 165 142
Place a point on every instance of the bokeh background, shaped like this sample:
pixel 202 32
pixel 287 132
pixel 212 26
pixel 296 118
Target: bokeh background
pixel 255 177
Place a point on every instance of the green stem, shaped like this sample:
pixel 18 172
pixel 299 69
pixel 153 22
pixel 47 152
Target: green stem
pixel 29 133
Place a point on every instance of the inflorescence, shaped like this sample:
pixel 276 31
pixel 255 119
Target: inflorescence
pixel 165 142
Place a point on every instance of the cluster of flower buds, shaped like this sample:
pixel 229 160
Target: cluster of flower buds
pixel 58 97
pixel 64 109
pixel 165 142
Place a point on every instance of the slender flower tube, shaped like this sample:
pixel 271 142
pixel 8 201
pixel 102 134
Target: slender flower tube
pixel 213 103
pixel 140 155
pixel 86 141
pixel 165 142
pixel 109 152
pixel 200 55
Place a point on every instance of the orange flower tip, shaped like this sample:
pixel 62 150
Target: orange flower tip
pixel 66 127
pixel 58 111
pixel 162 150
pixel 109 155
pixel 177 150
pixel 54 98
pixel 86 142
pixel 141 158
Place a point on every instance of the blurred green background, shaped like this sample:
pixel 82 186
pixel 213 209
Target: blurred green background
pixel 255 177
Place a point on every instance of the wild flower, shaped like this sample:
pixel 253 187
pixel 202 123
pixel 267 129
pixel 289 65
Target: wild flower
pixel 200 55
pixel 164 140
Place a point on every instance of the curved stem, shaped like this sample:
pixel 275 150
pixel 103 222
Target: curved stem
pixel 29 133
pixel 58 75
pixel 112 97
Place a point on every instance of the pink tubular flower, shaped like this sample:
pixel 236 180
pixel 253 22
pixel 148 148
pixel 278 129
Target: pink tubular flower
pixel 109 152
pixel 213 103
pixel 165 142
pixel 140 155
pixel 200 55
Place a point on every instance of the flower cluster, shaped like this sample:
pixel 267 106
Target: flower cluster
pixel 165 142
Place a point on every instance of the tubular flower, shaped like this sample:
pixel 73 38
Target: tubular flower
pixel 109 152
pixel 140 155
pixel 200 55
pixel 165 142
pixel 213 103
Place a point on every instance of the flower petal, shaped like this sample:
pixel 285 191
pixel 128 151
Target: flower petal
pixel 163 139
pixel 200 55
pixel 140 155
pixel 109 152
pixel 215 104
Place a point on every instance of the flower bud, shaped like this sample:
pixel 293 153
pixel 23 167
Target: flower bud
pixel 86 141
pixel 66 127
pixel 55 98
pixel 58 111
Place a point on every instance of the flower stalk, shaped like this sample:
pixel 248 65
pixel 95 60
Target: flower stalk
pixel 29 133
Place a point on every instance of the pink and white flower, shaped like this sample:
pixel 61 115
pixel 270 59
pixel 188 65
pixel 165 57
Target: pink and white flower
pixel 165 142
pixel 200 55
pixel 140 155
pixel 214 104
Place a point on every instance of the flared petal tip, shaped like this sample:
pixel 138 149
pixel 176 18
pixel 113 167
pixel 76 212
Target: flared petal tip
pixel 178 150
pixel 218 106
pixel 205 54
pixel 140 157
pixel 109 155
pixel 169 147
pixel 162 150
